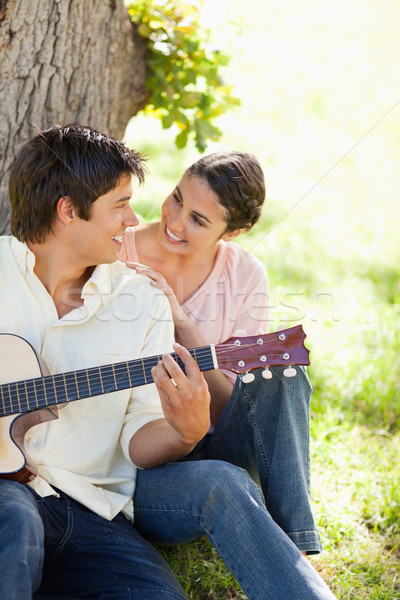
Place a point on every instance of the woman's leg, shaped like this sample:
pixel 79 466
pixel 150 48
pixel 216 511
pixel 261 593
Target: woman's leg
pixel 265 430
pixel 182 501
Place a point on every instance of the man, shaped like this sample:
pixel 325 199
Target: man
pixel 67 532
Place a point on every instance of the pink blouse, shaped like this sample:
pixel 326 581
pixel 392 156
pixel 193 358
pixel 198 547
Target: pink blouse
pixel 233 300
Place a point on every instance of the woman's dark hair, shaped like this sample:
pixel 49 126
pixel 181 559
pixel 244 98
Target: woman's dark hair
pixel 238 180
pixel 66 160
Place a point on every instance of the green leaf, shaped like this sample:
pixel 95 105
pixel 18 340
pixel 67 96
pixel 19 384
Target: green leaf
pixel 182 138
pixel 185 83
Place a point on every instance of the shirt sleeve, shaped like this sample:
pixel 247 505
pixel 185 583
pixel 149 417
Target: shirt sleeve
pixel 144 404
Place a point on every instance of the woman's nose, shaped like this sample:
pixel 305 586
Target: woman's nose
pixel 176 222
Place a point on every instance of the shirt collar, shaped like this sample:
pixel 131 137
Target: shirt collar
pixel 100 281
pixel 24 257
pixel 99 284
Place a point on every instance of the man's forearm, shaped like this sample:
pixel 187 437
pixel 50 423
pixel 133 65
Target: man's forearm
pixel 157 443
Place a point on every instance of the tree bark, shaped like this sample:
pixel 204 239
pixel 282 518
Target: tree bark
pixel 64 61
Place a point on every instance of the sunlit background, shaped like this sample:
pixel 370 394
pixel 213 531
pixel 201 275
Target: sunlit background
pixel 319 83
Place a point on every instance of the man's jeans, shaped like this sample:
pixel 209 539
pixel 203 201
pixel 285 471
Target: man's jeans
pixel 81 554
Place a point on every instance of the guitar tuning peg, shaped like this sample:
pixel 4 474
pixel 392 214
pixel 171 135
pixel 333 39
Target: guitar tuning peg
pixel 290 372
pixel 248 377
pixel 266 373
pixel 239 333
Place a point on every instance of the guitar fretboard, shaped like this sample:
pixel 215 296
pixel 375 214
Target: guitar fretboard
pixel 50 390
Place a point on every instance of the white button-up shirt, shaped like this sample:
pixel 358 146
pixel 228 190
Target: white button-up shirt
pixel 85 452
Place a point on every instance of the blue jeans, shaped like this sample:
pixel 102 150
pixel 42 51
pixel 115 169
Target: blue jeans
pixel 56 549
pixel 265 429
pixel 181 501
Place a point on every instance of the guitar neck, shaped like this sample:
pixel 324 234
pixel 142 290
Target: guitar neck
pixel 51 390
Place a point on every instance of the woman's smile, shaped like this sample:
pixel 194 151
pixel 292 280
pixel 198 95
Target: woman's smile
pixel 172 237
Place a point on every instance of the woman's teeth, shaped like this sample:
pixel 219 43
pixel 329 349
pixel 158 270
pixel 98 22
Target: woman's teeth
pixel 173 237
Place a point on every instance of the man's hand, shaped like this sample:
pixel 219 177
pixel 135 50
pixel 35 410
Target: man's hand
pixel 184 397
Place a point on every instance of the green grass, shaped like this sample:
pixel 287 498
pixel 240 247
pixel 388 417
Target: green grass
pixel 319 85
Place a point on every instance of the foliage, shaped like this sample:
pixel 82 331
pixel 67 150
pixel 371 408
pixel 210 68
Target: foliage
pixel 185 84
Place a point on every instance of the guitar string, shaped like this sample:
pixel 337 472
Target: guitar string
pixel 127 369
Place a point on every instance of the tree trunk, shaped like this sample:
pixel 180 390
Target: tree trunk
pixel 64 61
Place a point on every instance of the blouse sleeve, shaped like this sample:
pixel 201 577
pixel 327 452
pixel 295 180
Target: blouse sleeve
pixel 251 299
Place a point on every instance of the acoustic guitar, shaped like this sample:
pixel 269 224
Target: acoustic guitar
pixel 34 399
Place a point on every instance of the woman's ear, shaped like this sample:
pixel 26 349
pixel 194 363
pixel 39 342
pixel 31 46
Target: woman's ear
pixel 65 210
pixel 228 237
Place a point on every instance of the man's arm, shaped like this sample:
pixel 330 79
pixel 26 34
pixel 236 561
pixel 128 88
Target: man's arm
pixel 185 400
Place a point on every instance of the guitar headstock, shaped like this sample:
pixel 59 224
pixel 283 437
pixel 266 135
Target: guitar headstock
pixel 241 354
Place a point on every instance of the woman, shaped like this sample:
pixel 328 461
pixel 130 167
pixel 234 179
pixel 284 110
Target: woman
pixel 217 289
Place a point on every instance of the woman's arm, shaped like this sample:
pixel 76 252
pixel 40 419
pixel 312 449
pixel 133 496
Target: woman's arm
pixel 187 335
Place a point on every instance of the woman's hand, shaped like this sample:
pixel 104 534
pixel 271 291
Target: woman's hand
pixel 181 320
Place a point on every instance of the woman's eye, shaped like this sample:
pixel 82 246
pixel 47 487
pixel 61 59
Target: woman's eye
pixel 197 221
pixel 176 198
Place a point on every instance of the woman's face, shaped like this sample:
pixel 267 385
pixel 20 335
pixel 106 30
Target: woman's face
pixel 192 219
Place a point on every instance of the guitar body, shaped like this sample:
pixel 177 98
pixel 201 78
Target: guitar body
pixel 17 356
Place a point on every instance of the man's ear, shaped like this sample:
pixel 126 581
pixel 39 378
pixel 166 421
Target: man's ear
pixel 228 237
pixel 65 210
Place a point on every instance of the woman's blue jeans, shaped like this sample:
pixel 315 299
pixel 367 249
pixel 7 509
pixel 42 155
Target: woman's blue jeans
pixel 265 429
pixel 56 549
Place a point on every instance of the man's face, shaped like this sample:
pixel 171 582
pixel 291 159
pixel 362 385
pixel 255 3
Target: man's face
pixel 98 240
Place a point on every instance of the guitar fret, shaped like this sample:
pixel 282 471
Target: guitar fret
pixel 2 399
pixel 55 389
pixel 26 394
pixel 49 391
pixel 35 392
pixel 76 385
pixel 45 391
pixel 123 375
pixel 65 386
pixel 144 371
pixel 10 398
pixel 95 381
pixel 101 381
pixel 129 375
pixel 18 398
pixel 115 380
pixel 88 382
